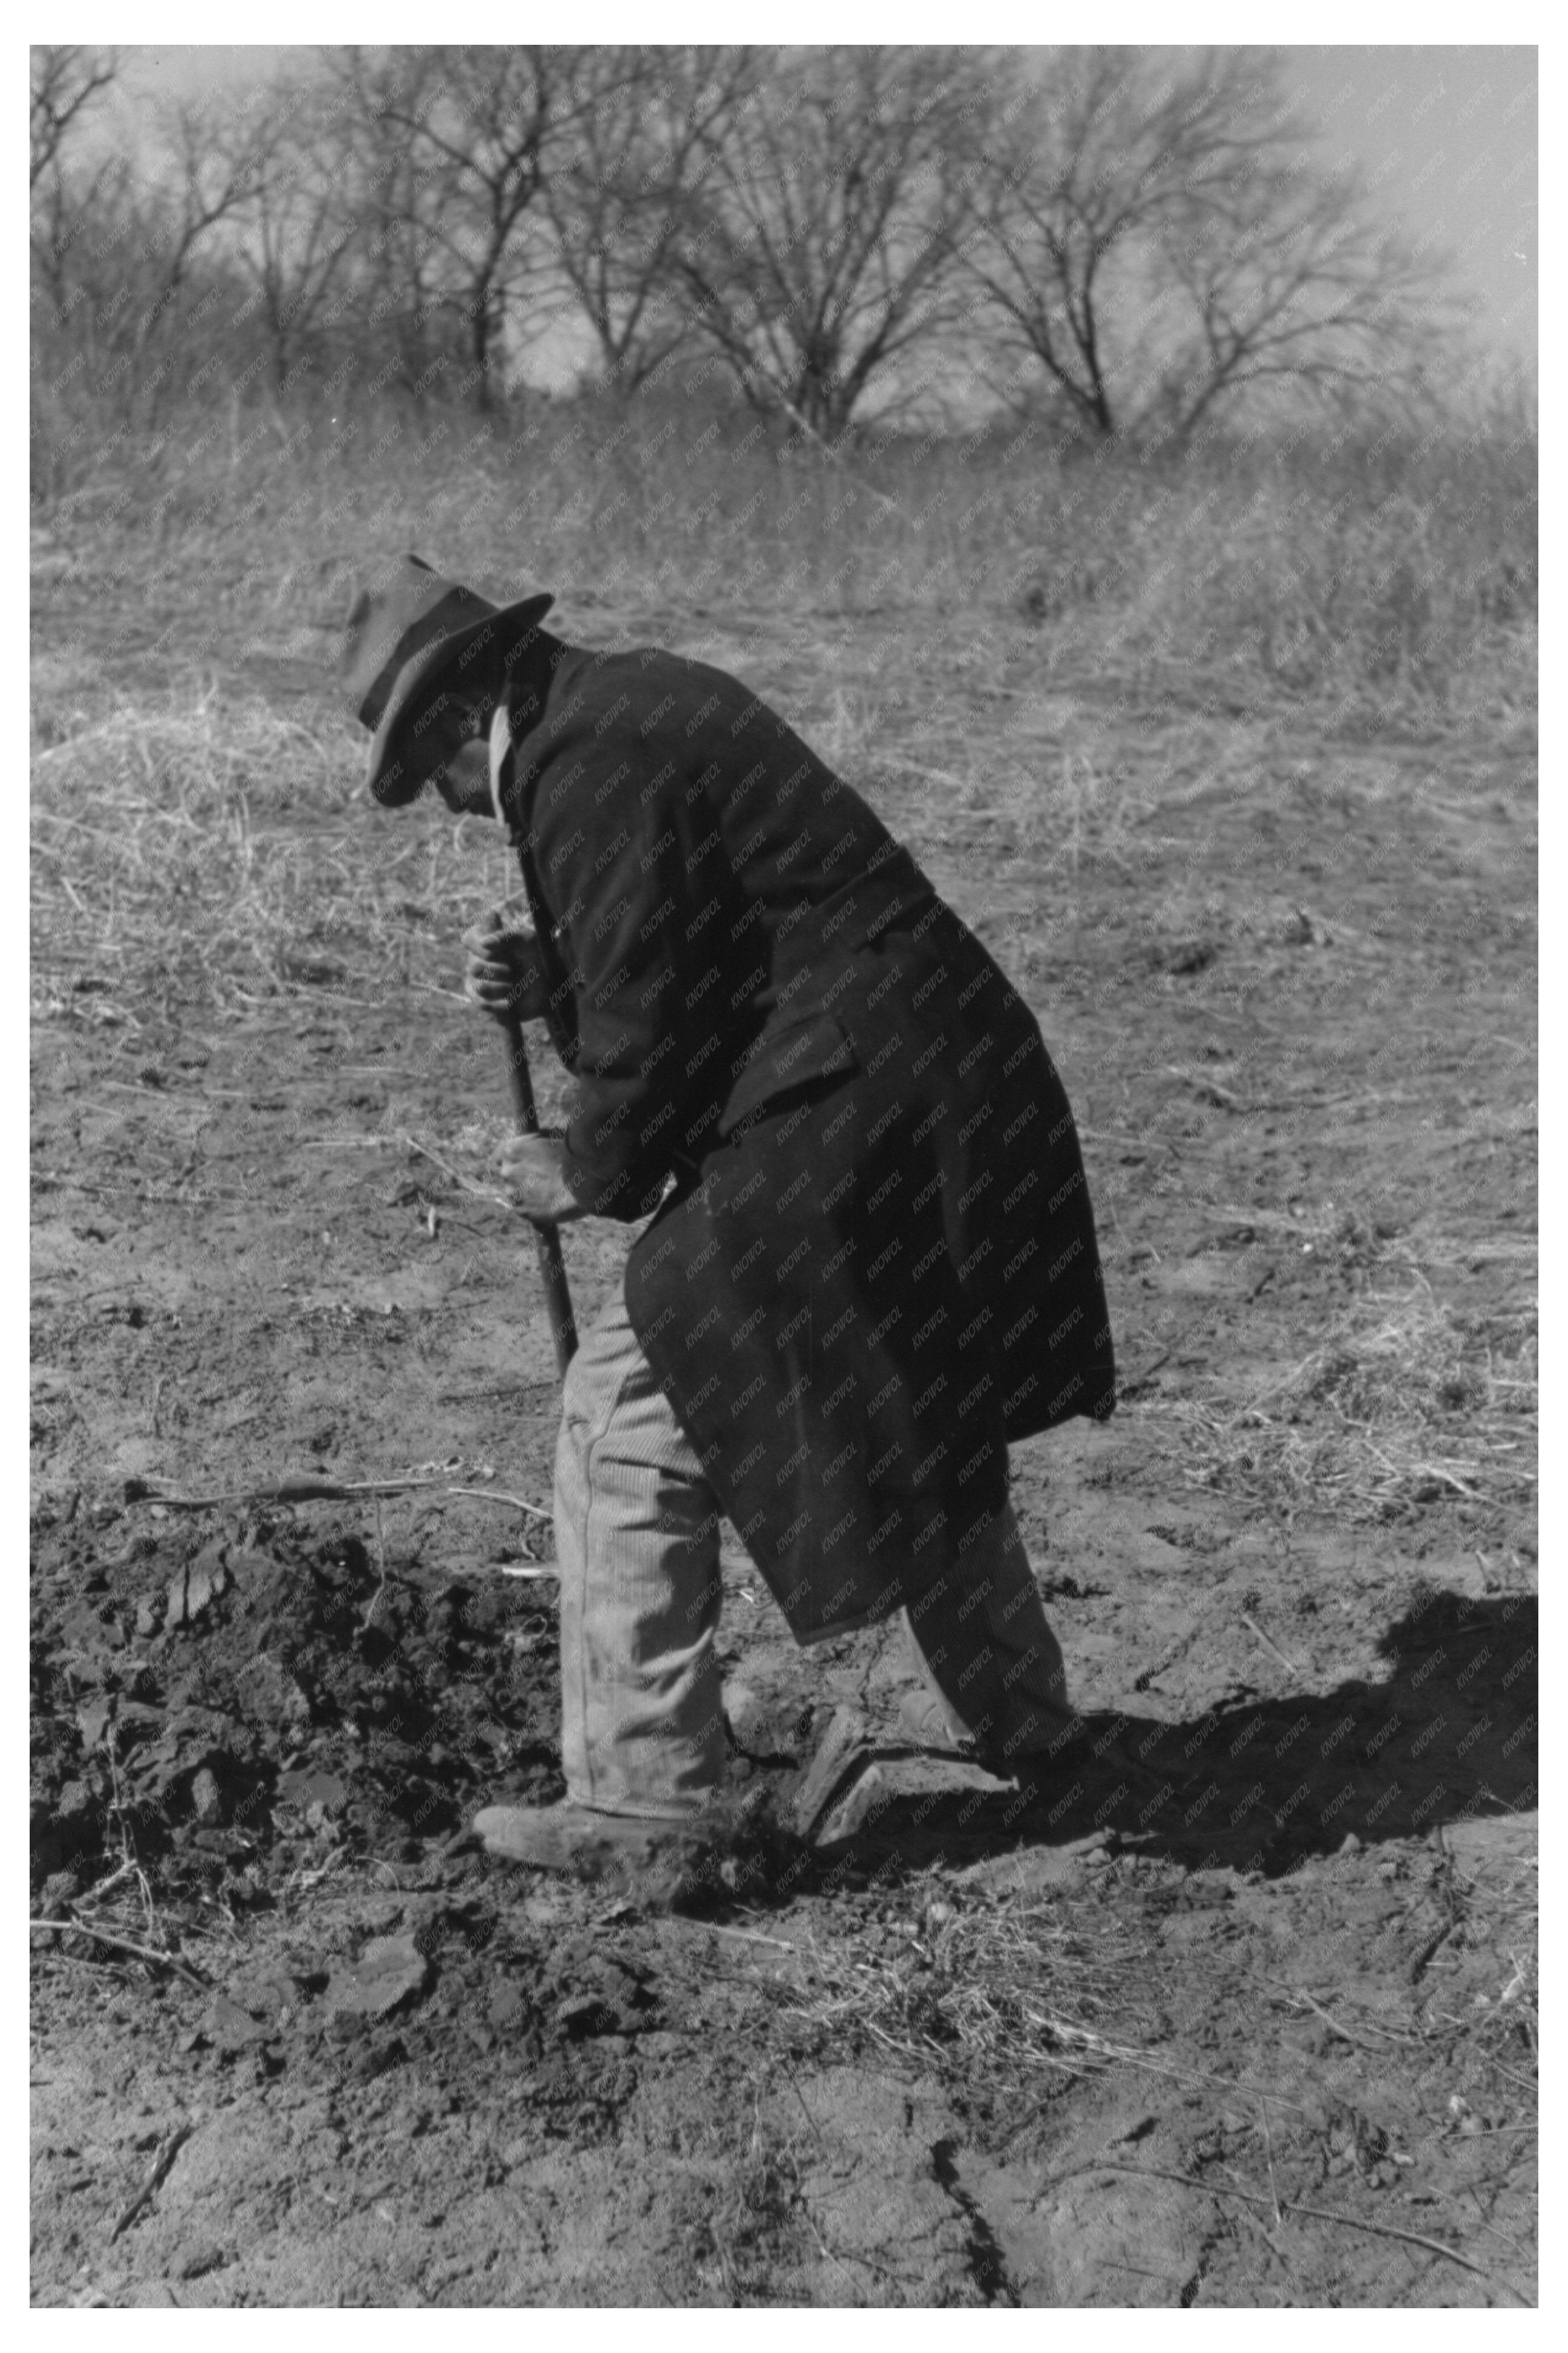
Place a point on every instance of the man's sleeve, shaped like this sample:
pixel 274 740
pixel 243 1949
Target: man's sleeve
pixel 643 891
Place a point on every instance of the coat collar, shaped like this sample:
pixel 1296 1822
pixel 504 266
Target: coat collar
pixel 513 778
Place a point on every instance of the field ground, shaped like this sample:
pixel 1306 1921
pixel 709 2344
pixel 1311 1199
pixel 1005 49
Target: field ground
pixel 1286 969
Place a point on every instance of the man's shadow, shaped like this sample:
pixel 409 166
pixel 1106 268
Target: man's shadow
pixel 1450 1733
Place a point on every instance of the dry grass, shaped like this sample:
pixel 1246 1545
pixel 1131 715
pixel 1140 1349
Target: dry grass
pixel 1013 1998
pixel 1405 1403
pixel 1481 2002
pixel 1372 576
pixel 211 850
pixel 930 620
pixel 1005 1993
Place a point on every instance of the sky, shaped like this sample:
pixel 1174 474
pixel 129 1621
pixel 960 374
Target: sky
pixel 1447 135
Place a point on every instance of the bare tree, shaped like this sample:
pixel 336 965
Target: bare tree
pixel 1290 282
pixel 648 125
pixel 120 258
pixel 479 128
pixel 65 206
pixel 64 80
pixel 300 233
pixel 1144 229
pixel 387 305
pixel 217 159
pixel 74 217
pixel 818 251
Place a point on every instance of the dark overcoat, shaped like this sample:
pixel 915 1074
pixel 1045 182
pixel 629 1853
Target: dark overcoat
pixel 877 1263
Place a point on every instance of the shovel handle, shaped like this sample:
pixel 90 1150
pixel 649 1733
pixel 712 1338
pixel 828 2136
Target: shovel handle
pixel 547 1237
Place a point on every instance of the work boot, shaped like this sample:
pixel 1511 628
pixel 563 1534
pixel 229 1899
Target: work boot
pixel 659 1863
pixel 1084 1744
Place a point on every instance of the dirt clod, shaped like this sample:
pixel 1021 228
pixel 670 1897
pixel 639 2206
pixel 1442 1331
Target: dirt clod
pixel 390 1972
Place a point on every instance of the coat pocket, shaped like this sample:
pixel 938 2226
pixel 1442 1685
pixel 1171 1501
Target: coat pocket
pixel 790 1054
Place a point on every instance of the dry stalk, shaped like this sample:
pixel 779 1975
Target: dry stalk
pixel 1291 2206
pixel 124 1945
pixel 168 2150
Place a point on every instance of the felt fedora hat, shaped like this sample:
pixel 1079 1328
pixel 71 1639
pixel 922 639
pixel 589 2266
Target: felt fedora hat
pixel 410 637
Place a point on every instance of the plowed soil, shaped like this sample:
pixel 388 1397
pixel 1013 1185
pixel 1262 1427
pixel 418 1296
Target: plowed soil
pixel 1260 2030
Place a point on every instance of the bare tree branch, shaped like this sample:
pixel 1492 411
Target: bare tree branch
pixel 643 137
pixel 1148 233
pixel 479 129
pixel 299 236
pixel 819 247
pixel 64 80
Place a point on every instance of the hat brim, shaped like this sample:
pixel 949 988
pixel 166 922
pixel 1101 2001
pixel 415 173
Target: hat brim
pixel 397 771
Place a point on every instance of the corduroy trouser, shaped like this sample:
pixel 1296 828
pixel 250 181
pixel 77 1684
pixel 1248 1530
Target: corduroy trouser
pixel 636 1533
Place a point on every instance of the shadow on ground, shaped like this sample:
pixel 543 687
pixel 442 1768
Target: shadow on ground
pixel 1447 1734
